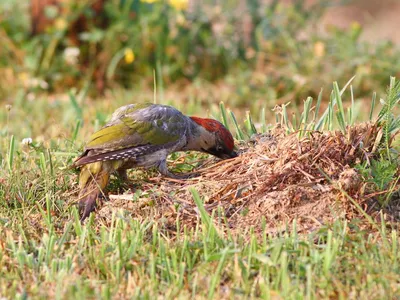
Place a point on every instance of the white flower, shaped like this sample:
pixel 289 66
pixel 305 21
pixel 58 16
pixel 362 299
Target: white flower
pixel 26 141
pixel 43 84
pixel 37 82
pixel 33 82
pixel 71 55
pixel 30 97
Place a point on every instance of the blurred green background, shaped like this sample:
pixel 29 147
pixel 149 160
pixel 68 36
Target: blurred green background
pixel 247 53
pixel 65 65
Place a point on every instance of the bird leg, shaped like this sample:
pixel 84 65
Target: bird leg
pixel 126 182
pixel 163 169
pixel 122 175
pixel 90 202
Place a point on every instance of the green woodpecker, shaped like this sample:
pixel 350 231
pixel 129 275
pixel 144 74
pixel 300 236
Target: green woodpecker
pixel 143 135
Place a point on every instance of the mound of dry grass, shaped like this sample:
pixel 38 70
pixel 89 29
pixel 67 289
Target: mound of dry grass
pixel 278 177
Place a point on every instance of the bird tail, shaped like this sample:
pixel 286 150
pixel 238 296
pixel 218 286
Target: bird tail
pixel 93 179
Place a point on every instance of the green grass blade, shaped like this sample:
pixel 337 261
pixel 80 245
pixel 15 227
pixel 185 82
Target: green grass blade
pixel 251 129
pixel 112 66
pixel 340 114
pixel 74 102
pixel 352 108
pixel 239 133
pixel 318 105
pixel 223 114
pixel 11 150
pixel 76 130
pixel 205 217
pixel 373 101
pixel 263 121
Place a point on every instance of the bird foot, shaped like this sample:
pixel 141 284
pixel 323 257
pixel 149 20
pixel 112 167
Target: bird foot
pixel 181 176
pixel 127 184
pixel 163 169
pixel 87 206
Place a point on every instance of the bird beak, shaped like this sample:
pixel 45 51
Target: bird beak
pixel 233 154
pixel 219 154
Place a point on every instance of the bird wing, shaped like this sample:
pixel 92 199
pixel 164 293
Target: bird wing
pixel 134 130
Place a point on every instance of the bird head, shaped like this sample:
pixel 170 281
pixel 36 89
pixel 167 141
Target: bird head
pixel 214 138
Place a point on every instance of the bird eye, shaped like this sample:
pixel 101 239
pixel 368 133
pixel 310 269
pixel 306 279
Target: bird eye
pixel 219 148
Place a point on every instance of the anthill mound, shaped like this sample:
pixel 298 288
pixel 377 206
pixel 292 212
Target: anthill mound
pixel 278 177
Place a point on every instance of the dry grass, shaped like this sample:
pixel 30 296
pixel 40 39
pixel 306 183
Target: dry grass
pixel 277 177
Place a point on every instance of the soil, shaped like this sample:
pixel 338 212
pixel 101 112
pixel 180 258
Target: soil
pixel 277 178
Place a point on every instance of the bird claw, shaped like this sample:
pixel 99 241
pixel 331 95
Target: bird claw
pixel 181 175
pixel 87 207
pixel 126 183
pixel 163 169
pixel 129 185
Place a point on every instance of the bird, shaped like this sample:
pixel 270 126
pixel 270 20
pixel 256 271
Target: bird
pixel 143 135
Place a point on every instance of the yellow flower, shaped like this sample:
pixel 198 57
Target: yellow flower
pixel 179 4
pixel 355 26
pixel 23 77
pixel 129 56
pixel 319 49
pixel 180 19
pixel 60 24
pixel 149 1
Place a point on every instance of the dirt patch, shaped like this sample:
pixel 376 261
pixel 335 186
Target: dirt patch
pixel 276 179
pixel 377 18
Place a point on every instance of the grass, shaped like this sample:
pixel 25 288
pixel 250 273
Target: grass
pixel 136 259
pixel 275 56
pixel 46 252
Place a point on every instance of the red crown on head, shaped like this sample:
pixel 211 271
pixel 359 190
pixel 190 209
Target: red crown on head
pixel 215 126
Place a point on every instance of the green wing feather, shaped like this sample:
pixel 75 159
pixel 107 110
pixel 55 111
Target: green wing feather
pixel 129 130
pixel 108 135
